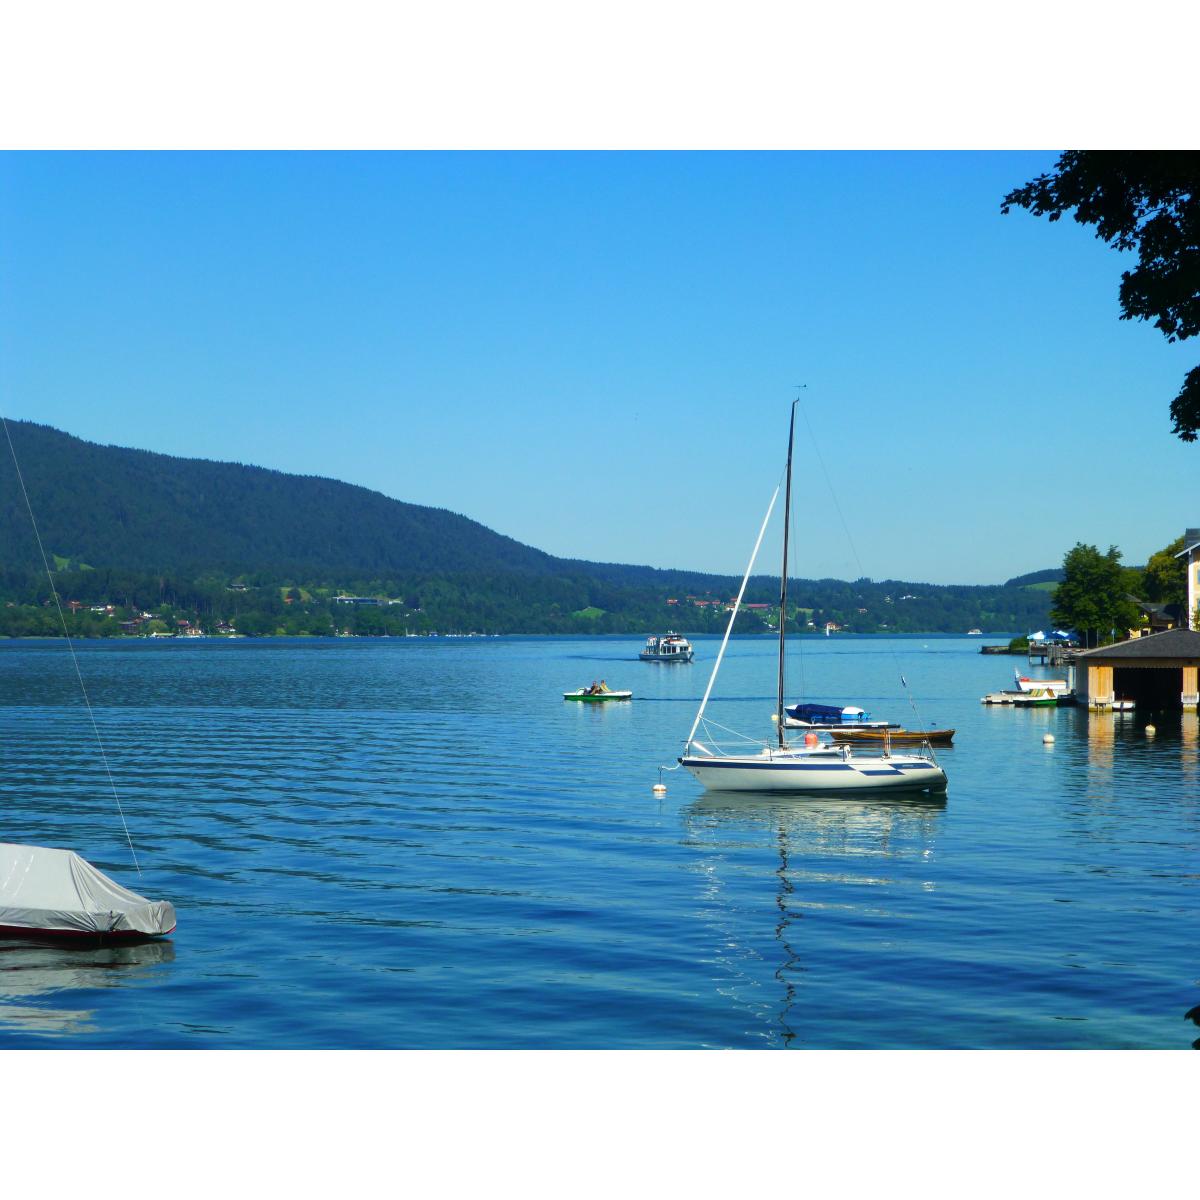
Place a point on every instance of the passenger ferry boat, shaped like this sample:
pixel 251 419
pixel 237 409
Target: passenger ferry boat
pixel 668 648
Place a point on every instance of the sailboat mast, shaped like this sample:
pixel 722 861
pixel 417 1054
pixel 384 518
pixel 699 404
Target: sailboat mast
pixel 787 523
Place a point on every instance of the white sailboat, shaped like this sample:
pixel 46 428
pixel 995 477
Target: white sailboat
pixel 778 766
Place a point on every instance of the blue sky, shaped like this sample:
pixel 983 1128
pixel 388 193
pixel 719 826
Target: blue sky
pixel 595 353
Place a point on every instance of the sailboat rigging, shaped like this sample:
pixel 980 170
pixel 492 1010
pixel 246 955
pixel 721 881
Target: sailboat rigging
pixel 784 768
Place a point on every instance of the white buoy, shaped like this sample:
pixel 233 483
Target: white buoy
pixel 1048 740
pixel 659 789
pixel 1150 731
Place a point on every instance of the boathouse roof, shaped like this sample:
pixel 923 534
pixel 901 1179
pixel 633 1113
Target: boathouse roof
pixel 1171 643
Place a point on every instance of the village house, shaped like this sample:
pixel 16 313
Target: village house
pixel 1158 618
pixel 1191 556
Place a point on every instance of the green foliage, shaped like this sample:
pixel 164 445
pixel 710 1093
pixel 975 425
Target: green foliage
pixel 1092 597
pixel 1164 580
pixel 129 509
pixel 1148 201
pixel 1051 576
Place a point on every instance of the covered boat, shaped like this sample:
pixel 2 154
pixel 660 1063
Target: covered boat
pixel 49 893
pixel 828 716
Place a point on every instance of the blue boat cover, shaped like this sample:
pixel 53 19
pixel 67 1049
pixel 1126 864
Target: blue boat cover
pixel 815 713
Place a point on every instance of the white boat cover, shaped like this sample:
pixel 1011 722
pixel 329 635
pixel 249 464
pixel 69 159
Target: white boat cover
pixel 56 891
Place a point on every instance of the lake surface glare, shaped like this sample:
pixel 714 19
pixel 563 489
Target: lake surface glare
pixel 417 843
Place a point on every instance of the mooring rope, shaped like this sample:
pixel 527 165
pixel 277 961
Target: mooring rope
pixel 70 645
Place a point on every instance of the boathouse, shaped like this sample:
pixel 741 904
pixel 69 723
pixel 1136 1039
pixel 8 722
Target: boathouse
pixel 1158 672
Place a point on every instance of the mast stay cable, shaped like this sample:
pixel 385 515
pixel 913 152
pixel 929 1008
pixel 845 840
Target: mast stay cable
pixel 854 550
pixel 732 617
pixel 70 645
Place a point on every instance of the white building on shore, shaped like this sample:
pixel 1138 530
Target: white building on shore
pixel 1191 553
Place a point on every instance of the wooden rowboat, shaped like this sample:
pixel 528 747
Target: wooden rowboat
pixel 935 737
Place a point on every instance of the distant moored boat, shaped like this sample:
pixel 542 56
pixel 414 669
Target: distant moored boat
pixel 668 648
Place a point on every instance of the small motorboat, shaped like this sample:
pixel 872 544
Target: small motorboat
pixel 668 648
pixel 47 893
pixel 881 737
pixel 587 695
pixel 1039 698
pixel 1028 684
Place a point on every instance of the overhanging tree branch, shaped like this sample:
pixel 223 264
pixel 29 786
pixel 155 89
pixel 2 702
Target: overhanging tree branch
pixel 1148 202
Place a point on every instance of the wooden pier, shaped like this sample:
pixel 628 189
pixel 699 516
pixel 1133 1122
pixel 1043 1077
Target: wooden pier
pixel 1054 656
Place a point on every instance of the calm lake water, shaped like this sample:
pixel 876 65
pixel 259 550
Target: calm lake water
pixel 417 843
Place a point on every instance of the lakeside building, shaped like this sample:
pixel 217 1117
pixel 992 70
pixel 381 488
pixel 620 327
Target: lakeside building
pixel 1191 553
pixel 1156 670
pixel 1158 617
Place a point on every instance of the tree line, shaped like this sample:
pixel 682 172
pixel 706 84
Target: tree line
pixel 1099 596
pixel 261 604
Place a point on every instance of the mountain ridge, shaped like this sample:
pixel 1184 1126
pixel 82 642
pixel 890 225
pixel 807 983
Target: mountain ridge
pixel 135 525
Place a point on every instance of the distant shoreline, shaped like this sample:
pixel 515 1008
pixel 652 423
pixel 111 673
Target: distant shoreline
pixel 487 637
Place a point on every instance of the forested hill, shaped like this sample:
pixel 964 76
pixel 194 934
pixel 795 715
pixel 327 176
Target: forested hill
pixel 212 544
pixel 135 510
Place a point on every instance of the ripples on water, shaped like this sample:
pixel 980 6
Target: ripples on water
pixel 417 843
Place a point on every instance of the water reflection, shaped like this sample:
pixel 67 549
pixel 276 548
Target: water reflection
pixel 830 821
pixel 817 843
pixel 1101 734
pixel 1116 739
pixel 30 970
pixel 1189 738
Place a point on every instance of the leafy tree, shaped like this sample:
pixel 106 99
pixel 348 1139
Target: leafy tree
pixel 1165 576
pixel 1092 595
pixel 1148 201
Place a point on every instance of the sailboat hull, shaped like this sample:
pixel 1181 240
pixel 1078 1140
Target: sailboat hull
pixel 796 775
